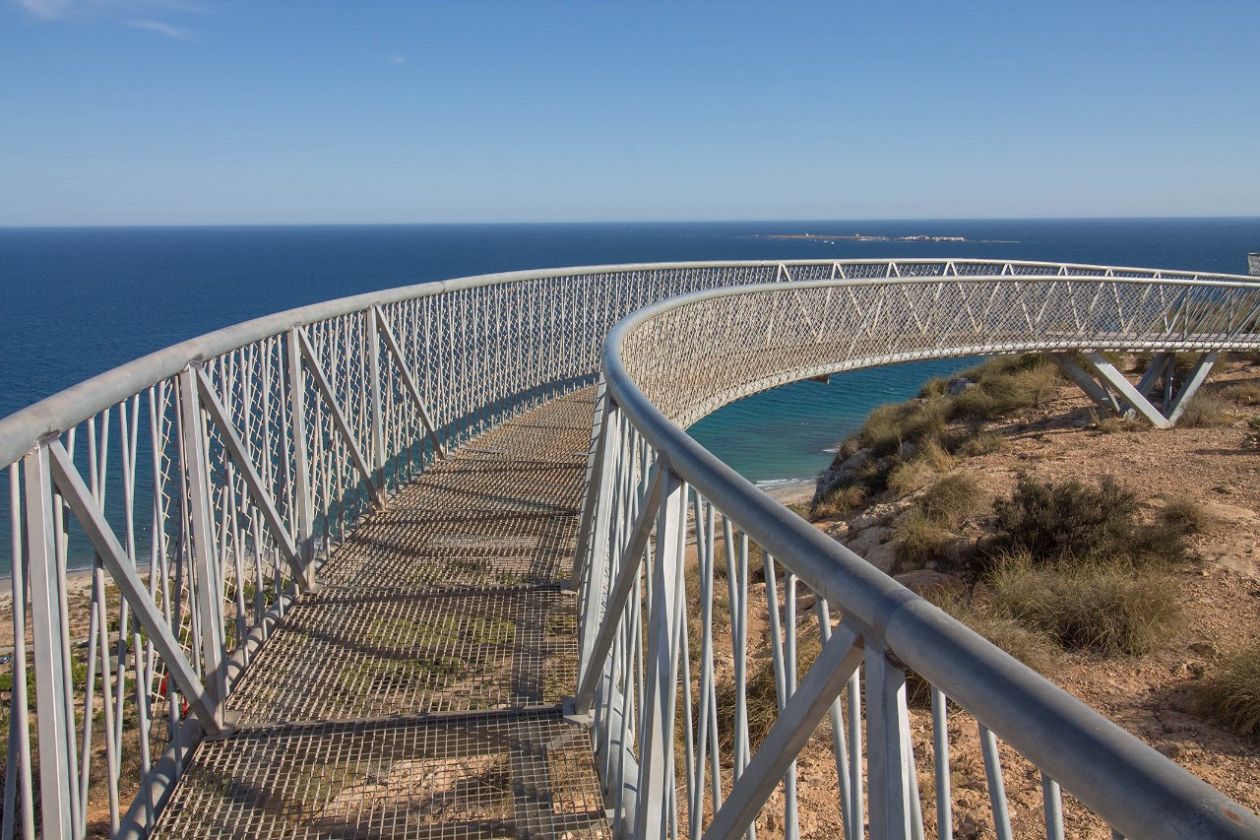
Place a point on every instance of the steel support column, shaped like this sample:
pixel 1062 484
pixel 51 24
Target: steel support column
pixel 57 782
pixel 656 738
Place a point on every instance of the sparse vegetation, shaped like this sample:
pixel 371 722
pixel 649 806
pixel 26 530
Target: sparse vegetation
pixel 1205 410
pixel 1112 424
pixel 1185 515
pixel 1106 608
pixel 760 693
pixel 918 540
pixel 980 443
pixel 922 533
pixel 1243 393
pixel 840 500
pixel 1056 522
pixel 1006 384
pixel 1230 692
pixel 951 500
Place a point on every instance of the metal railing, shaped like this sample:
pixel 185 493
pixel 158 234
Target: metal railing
pixel 673 605
pixel 161 517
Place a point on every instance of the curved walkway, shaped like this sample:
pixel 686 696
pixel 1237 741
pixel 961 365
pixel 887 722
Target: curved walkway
pixel 417 693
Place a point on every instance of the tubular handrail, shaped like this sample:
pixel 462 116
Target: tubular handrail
pixel 647 358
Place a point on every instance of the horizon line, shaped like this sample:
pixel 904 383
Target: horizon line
pixel 540 223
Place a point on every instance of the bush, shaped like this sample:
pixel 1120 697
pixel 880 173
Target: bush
pixel 1066 521
pixel 1031 647
pixel 915 474
pixel 1112 424
pixel 980 443
pixel 910 476
pixel 1006 384
pixel 1104 608
pixel 1206 410
pixel 889 426
pixel 1230 693
pixel 839 500
pixel 951 500
pixel 1185 516
pixel 918 540
pixel 1244 393
pixel 934 387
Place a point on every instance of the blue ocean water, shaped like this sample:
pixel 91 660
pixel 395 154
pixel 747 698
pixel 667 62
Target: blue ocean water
pixel 80 301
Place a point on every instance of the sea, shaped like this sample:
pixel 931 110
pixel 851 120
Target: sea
pixel 79 301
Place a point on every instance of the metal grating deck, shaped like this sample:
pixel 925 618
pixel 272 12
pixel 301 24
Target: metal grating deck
pixel 415 695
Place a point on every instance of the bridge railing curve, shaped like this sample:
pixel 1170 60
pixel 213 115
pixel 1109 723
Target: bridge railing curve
pixel 690 568
pixel 158 519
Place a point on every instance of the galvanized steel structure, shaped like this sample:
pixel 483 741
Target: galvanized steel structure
pixel 223 485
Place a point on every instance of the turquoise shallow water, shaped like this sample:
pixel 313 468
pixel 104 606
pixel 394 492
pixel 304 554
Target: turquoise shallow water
pixel 791 432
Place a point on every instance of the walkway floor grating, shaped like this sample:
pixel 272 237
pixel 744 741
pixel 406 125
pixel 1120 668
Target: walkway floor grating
pixel 416 694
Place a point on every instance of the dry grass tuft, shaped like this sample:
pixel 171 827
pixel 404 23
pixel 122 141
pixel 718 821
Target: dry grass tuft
pixel 1243 393
pixel 1185 515
pixel 1105 608
pixel 1206 410
pixel 1230 693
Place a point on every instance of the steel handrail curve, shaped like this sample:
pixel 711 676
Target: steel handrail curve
pixel 1139 791
pixel 23 429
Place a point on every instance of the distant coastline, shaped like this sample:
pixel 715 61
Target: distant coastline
pixel 874 237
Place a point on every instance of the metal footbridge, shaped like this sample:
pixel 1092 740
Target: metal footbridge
pixel 368 569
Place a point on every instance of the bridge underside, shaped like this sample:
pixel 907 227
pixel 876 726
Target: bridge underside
pixel 416 693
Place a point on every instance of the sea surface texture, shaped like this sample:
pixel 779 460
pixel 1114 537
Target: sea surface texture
pixel 81 301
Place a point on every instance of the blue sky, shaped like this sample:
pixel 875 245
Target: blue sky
pixel 227 111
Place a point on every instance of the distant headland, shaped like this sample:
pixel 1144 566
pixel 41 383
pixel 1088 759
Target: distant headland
pixel 874 237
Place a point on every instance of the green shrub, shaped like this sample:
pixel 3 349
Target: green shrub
pixel 1006 384
pixel 929 461
pixel 1031 647
pixel 934 387
pixel 1230 693
pixel 1105 608
pixel 1067 520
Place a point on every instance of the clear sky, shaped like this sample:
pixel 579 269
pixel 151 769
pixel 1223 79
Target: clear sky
pixel 222 111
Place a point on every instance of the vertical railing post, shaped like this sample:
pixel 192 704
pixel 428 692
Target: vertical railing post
pixel 887 752
pixel 56 721
pixel 657 735
pixel 374 375
pixel 305 537
pixel 594 474
pixel 597 551
pixel 209 585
